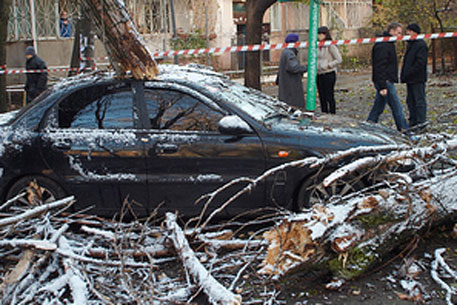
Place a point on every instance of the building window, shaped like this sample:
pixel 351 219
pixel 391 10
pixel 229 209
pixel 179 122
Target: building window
pixel 275 17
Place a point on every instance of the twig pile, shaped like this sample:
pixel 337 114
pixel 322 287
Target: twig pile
pixel 50 257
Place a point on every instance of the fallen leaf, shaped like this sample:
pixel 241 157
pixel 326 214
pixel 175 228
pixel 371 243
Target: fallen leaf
pixel 384 194
pixel 426 195
pixel 356 291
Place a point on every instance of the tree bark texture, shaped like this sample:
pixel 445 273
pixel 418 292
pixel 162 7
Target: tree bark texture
pixel 4 15
pixel 255 9
pixel 123 42
pixel 76 51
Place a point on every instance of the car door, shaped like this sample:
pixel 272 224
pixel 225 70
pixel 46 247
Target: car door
pixel 188 157
pixel 90 143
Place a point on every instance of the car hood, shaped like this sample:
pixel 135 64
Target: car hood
pixel 335 132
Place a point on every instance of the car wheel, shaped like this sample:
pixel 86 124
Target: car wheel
pixel 312 191
pixel 38 190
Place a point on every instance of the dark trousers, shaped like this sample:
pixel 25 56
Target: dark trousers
pixel 417 104
pixel 326 88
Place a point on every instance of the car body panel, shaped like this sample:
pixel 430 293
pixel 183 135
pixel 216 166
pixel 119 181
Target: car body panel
pixel 162 146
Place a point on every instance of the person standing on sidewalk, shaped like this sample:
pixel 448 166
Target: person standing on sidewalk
pixel 384 75
pixel 328 57
pixel 414 74
pixel 289 78
pixel 36 82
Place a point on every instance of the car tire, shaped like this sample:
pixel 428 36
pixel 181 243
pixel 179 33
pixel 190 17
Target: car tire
pixel 311 191
pixel 50 190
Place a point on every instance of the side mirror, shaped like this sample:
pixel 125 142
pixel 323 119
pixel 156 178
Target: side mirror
pixel 233 125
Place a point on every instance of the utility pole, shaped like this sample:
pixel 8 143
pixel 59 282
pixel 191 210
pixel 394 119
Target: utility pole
pixel 312 55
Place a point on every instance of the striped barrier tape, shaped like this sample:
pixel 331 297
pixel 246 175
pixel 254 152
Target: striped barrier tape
pixel 260 47
pixel 24 71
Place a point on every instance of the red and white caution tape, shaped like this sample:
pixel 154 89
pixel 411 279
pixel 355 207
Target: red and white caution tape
pixel 260 47
pixel 24 71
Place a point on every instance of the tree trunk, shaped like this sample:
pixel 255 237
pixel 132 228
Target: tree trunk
pixel 255 9
pixel 443 58
pixel 76 52
pixel 4 15
pixel 123 42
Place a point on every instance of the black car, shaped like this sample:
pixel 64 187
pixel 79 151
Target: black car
pixel 164 143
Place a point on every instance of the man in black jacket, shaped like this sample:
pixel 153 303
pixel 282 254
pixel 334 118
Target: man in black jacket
pixel 385 74
pixel 35 82
pixel 414 74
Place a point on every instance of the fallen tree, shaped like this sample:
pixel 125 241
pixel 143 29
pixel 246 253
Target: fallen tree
pixel 349 238
pixel 124 44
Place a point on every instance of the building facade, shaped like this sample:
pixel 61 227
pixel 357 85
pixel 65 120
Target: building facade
pixel 218 23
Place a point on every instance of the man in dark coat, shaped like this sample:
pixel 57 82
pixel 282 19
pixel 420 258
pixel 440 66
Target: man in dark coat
pixel 35 82
pixel 414 74
pixel 290 74
pixel 385 74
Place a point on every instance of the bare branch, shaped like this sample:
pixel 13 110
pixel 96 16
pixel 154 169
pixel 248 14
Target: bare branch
pixel 217 293
pixel 36 211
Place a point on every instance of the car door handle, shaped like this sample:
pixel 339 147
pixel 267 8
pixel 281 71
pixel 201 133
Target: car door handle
pixel 166 148
pixel 63 145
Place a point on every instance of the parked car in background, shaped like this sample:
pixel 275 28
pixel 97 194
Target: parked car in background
pixel 166 142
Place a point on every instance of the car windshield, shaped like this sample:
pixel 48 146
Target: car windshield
pixel 258 105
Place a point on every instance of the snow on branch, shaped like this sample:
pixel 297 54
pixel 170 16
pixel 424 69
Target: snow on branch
pixel 36 211
pixel 439 262
pixel 37 244
pixel 217 293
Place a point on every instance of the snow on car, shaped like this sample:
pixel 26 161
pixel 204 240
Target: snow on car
pixel 166 142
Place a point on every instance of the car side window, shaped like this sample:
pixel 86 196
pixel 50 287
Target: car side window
pixel 173 110
pixel 97 107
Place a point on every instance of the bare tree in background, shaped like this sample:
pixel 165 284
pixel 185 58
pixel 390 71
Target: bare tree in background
pixel 4 15
pixel 255 9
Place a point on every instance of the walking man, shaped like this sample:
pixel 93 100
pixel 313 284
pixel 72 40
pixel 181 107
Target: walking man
pixel 289 79
pixel 414 74
pixel 385 74
pixel 35 82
